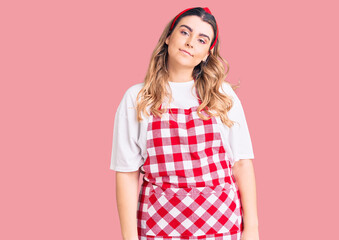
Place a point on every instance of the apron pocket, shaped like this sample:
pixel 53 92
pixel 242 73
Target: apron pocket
pixel 192 214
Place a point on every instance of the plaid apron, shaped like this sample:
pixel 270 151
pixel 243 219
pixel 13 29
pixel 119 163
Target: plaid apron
pixel 188 190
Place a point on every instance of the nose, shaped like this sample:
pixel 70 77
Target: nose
pixel 188 43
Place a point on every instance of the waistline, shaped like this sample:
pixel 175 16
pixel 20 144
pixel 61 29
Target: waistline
pixel 189 190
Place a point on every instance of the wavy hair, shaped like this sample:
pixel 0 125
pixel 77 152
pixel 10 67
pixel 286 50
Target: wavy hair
pixel 208 75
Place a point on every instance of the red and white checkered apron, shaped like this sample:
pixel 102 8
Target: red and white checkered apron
pixel 188 191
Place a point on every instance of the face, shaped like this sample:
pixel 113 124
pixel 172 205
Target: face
pixel 192 35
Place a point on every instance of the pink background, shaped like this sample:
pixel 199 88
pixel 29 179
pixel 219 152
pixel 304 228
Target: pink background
pixel 65 65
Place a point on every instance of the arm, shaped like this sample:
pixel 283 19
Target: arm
pixel 127 200
pixel 243 172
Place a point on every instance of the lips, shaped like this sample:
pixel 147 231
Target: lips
pixel 186 52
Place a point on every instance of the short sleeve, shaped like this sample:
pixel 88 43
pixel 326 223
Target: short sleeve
pixel 126 153
pixel 239 136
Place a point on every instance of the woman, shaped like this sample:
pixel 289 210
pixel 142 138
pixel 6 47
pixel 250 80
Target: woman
pixel 184 128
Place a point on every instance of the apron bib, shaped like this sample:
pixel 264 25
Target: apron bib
pixel 188 189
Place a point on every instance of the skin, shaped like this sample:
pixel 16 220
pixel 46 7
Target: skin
pixel 243 172
pixel 180 66
pixel 127 201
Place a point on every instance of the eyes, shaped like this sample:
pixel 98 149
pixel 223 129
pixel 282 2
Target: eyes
pixel 185 32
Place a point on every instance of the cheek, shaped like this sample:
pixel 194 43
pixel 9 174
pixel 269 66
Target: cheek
pixel 174 47
pixel 200 55
pixel 171 49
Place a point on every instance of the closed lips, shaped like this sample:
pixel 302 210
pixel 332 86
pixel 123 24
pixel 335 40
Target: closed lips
pixel 186 52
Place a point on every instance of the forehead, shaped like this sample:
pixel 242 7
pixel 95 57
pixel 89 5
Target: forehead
pixel 197 25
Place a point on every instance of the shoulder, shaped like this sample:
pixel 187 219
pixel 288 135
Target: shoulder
pixel 131 93
pixel 133 90
pixel 128 102
pixel 227 89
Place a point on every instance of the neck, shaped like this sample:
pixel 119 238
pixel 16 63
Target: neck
pixel 179 74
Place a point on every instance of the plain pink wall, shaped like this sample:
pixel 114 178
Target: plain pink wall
pixel 65 65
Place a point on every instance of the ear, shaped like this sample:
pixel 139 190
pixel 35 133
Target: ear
pixel 167 39
pixel 206 56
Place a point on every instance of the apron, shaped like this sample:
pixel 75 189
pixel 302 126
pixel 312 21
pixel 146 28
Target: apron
pixel 188 190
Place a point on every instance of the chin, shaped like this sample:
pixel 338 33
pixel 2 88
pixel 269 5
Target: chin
pixel 185 62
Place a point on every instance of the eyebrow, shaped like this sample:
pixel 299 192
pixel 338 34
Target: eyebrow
pixel 200 34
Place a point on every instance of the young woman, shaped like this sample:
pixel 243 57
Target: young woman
pixel 184 128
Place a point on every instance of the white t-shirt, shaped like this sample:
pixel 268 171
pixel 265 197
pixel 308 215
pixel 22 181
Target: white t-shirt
pixel 129 150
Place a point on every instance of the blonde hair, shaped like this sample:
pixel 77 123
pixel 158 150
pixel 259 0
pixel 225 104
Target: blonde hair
pixel 208 77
